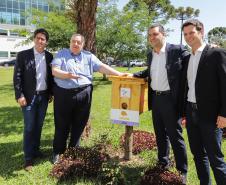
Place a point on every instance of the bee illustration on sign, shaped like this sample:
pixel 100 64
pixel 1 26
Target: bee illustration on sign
pixel 125 92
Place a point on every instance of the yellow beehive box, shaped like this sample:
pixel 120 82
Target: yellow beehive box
pixel 129 99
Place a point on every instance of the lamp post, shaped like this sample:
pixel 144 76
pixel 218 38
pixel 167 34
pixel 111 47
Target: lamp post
pixel 181 17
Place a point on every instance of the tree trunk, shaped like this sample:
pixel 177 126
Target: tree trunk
pixel 86 22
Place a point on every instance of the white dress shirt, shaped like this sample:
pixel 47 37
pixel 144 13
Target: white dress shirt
pixel 192 72
pixel 40 64
pixel 159 80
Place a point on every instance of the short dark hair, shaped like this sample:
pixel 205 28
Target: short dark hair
pixel 161 28
pixel 194 22
pixel 80 35
pixel 42 31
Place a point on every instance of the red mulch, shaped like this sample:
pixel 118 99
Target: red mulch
pixel 142 140
pixel 158 176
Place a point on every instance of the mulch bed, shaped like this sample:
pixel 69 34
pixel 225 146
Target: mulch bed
pixel 158 176
pixel 80 162
pixel 142 140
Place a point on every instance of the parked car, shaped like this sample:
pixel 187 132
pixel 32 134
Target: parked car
pixel 8 63
pixel 122 63
pixel 137 63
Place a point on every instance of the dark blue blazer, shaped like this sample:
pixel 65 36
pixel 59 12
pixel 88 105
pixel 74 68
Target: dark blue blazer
pixel 210 84
pixel 24 78
pixel 176 57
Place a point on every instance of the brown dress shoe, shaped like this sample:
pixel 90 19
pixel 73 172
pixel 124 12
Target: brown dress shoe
pixel 28 165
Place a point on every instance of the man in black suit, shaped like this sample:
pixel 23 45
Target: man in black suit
pixel 32 83
pixel 205 102
pixel 164 72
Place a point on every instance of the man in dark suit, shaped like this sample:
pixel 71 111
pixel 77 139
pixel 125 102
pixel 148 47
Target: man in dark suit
pixel 205 102
pixel 32 83
pixel 164 71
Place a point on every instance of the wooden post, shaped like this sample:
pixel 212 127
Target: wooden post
pixel 128 143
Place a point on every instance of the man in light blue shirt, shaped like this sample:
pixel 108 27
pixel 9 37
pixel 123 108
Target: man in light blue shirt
pixel 73 73
pixel 82 64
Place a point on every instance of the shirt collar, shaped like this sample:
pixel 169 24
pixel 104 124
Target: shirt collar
pixel 37 53
pixel 75 55
pixel 162 50
pixel 201 48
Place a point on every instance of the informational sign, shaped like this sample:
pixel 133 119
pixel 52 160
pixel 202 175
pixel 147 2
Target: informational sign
pixel 125 92
pixel 125 117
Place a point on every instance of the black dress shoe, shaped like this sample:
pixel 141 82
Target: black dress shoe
pixel 163 166
pixel 28 165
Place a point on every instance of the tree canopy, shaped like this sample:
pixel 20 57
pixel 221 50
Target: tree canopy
pixel 218 36
pixel 111 32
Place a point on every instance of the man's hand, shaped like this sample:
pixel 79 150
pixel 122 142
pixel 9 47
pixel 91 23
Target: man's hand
pixel 182 121
pixel 126 74
pixel 74 76
pixel 221 122
pixel 22 101
pixel 214 46
pixel 129 75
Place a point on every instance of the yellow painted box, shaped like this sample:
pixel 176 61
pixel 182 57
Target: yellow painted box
pixel 129 99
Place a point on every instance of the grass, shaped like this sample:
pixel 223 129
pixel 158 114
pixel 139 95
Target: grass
pixel 11 130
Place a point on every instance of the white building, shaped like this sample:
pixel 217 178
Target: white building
pixel 13 15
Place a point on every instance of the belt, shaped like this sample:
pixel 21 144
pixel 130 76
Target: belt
pixel 194 106
pixel 158 93
pixel 78 89
pixel 41 92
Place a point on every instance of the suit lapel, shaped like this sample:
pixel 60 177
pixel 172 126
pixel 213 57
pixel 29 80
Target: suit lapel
pixel 202 60
pixel 150 56
pixel 167 54
pixel 32 58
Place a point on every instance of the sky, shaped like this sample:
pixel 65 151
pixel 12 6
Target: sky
pixel 212 14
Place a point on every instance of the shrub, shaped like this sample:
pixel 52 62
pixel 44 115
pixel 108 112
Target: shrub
pixel 80 162
pixel 142 140
pixel 95 162
pixel 159 176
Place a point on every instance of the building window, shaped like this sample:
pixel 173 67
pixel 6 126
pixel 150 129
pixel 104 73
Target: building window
pixel 15 5
pixel 13 33
pixel 12 11
pixel 22 5
pixel 3 32
pixel 9 4
pixel 4 54
pixel 2 3
pixel 13 54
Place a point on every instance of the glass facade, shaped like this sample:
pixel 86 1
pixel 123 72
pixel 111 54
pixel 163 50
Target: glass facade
pixel 15 11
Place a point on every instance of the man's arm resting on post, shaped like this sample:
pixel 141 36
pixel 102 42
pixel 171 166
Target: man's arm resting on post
pixel 141 74
pixel 57 72
pixel 105 69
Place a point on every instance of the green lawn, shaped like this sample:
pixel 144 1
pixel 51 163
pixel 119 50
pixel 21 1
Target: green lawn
pixel 11 129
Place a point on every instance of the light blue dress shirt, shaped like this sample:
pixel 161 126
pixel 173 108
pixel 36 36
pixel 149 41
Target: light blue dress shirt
pixel 83 64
